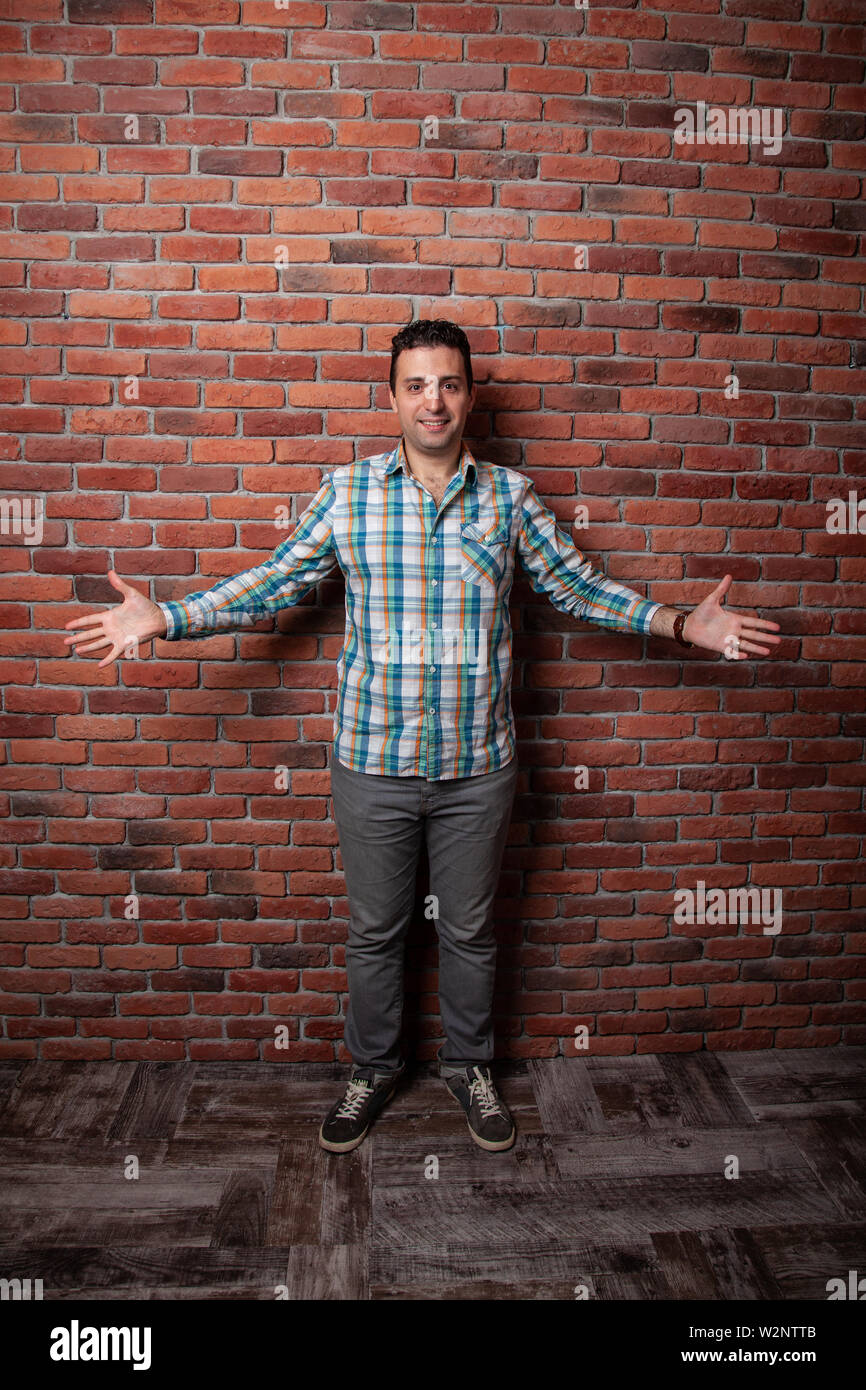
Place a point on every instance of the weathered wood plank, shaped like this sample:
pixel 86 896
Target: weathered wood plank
pixel 153 1102
pixel 540 1269
pixel 65 1100
pixel 242 1215
pixel 295 1215
pixel 685 1266
pixel 706 1094
pixel 803 1083
pixel 402 1159
pixel 804 1257
pixel 566 1097
pixel 835 1149
pixel 334 1272
pixel 189 1225
pixel 258 1107
pixel 672 1152
pixel 145 1271
pixel 9 1073
pixel 573 1210
pixel 739 1266
pixel 346 1196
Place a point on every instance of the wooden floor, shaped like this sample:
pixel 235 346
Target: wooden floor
pixel 616 1182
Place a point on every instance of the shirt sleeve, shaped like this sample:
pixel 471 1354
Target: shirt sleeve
pixel 297 564
pixel 558 569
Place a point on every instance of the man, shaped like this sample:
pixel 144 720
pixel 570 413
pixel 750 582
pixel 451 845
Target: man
pixel 424 736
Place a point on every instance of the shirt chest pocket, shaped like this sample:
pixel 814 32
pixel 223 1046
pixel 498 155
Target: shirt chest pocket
pixel 483 553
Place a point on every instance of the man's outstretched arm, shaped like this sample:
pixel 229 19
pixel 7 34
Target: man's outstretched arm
pixel 558 569
pixel 298 563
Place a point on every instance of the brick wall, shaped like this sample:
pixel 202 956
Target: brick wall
pixel 168 383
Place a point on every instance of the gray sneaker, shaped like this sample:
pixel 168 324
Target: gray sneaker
pixel 347 1122
pixel 487 1115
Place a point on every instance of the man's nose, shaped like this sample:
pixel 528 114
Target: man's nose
pixel 431 390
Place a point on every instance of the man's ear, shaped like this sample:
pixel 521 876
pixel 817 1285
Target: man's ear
pixel 393 399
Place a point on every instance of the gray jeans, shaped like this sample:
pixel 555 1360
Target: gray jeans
pixel 381 821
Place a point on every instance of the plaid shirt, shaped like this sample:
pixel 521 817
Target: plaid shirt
pixel 424 676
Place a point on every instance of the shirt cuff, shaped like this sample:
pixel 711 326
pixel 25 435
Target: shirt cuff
pixel 175 624
pixel 644 614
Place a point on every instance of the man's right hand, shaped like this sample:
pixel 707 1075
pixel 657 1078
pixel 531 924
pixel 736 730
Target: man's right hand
pixel 122 629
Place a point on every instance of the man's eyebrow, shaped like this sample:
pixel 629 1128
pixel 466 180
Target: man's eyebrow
pixel 453 376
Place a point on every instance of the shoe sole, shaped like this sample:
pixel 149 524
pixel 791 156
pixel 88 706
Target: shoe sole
pixel 492 1145
pixel 351 1143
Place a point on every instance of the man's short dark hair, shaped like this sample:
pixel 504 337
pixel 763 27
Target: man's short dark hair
pixel 430 333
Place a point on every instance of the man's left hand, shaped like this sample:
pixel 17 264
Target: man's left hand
pixel 735 635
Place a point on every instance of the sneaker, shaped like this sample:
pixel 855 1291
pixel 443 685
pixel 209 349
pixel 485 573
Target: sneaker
pixel 347 1122
pixel 487 1115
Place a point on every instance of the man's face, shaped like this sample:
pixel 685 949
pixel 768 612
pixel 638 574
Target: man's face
pixel 432 400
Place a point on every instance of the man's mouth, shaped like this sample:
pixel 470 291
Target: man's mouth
pixel 435 426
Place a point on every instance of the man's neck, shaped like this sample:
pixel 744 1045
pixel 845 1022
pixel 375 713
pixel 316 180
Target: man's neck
pixel 438 468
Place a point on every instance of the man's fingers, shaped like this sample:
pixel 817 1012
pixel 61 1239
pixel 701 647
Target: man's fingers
pixel 88 646
pixel 722 587
pixel 119 583
pixel 79 622
pixel 107 660
pixel 756 630
pixel 744 648
pixel 759 623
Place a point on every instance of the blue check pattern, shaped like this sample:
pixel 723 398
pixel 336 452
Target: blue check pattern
pixel 424 676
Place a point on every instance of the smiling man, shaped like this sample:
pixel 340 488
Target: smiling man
pixel 424 747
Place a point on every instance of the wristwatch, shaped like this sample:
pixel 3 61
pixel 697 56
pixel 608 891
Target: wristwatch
pixel 679 624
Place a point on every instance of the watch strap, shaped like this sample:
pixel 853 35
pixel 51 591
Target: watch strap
pixel 679 624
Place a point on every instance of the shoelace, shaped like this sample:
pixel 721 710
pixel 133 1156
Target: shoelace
pixel 483 1090
pixel 356 1092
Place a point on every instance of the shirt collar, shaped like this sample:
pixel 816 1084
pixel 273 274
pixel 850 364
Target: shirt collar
pixel 467 465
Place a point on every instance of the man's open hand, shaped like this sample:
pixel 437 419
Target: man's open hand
pixel 721 630
pixel 123 628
